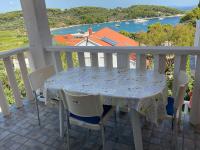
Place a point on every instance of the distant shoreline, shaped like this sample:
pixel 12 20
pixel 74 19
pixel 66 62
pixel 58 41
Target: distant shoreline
pixel 178 15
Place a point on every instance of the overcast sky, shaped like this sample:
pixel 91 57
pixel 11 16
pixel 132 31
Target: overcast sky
pixel 10 5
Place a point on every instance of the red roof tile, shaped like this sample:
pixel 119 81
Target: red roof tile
pixel 120 39
pixel 68 39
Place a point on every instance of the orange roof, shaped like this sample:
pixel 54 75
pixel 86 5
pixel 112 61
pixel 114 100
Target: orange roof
pixel 67 39
pixel 120 39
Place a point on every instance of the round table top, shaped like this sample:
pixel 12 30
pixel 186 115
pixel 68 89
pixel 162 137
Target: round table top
pixel 120 83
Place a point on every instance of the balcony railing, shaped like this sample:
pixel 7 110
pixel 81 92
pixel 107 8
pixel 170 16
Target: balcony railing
pixel 8 58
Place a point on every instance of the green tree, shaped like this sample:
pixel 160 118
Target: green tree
pixel 191 16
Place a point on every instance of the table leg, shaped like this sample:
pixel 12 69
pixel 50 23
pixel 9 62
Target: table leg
pixel 136 127
pixel 61 118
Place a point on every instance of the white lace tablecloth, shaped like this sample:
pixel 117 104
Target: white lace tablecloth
pixel 144 91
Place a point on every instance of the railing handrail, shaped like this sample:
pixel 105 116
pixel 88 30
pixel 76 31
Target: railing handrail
pixel 129 49
pixel 4 54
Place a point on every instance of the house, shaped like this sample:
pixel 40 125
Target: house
pixel 103 37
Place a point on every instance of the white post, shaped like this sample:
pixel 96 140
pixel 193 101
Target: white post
pixel 57 61
pixel 24 73
pixel 12 80
pixel 141 62
pixel 3 102
pixel 195 111
pixel 160 63
pixel 39 35
pixel 94 59
pixel 123 61
pixel 69 60
pixel 108 60
pixel 81 59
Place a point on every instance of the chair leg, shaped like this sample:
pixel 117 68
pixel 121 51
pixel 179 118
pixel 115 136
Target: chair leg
pixel 103 137
pixel 116 126
pixel 68 134
pixel 37 108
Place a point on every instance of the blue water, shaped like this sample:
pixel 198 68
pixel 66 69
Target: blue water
pixel 131 27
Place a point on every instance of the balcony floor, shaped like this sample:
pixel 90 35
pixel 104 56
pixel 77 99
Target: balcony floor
pixel 21 132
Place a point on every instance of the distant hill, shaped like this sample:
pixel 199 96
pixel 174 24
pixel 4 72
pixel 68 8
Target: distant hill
pixel 88 15
pixel 185 8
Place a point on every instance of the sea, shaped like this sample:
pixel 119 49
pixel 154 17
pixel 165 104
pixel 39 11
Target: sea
pixel 129 26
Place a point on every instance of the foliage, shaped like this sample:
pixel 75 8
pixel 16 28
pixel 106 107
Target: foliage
pixel 191 16
pixel 158 34
pixel 10 39
pixel 87 15
pixel 179 35
pixel 128 34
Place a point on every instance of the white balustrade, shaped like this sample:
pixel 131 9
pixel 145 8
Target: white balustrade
pixel 108 59
pixel 69 59
pixel 24 73
pixel 3 102
pixel 94 59
pixel 141 62
pixel 8 57
pixel 81 59
pixel 12 80
pixel 57 61
pixel 160 63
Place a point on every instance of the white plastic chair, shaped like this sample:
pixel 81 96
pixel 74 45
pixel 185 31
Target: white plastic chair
pixel 37 79
pixel 86 111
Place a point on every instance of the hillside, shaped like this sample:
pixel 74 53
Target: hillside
pixel 83 15
pixel 191 16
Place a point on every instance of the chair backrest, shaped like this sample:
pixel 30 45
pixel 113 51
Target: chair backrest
pixel 38 77
pixel 83 105
pixel 181 84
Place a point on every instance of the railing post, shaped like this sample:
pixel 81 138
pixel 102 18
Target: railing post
pixel 12 79
pixel 24 73
pixel 94 59
pixel 141 62
pixel 57 61
pixel 3 102
pixel 69 60
pixel 195 111
pixel 81 59
pixel 160 63
pixel 179 65
pixel 108 60
pixel 123 61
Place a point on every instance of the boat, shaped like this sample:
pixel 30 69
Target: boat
pixel 140 20
pixel 161 18
pixel 117 25
pixel 127 22
pixel 80 31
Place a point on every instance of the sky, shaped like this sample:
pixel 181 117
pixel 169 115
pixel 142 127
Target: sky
pixel 11 5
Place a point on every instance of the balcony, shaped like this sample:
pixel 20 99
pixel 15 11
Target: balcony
pixel 18 122
pixel 20 127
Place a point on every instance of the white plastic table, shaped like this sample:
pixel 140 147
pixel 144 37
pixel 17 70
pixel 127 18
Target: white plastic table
pixel 143 91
